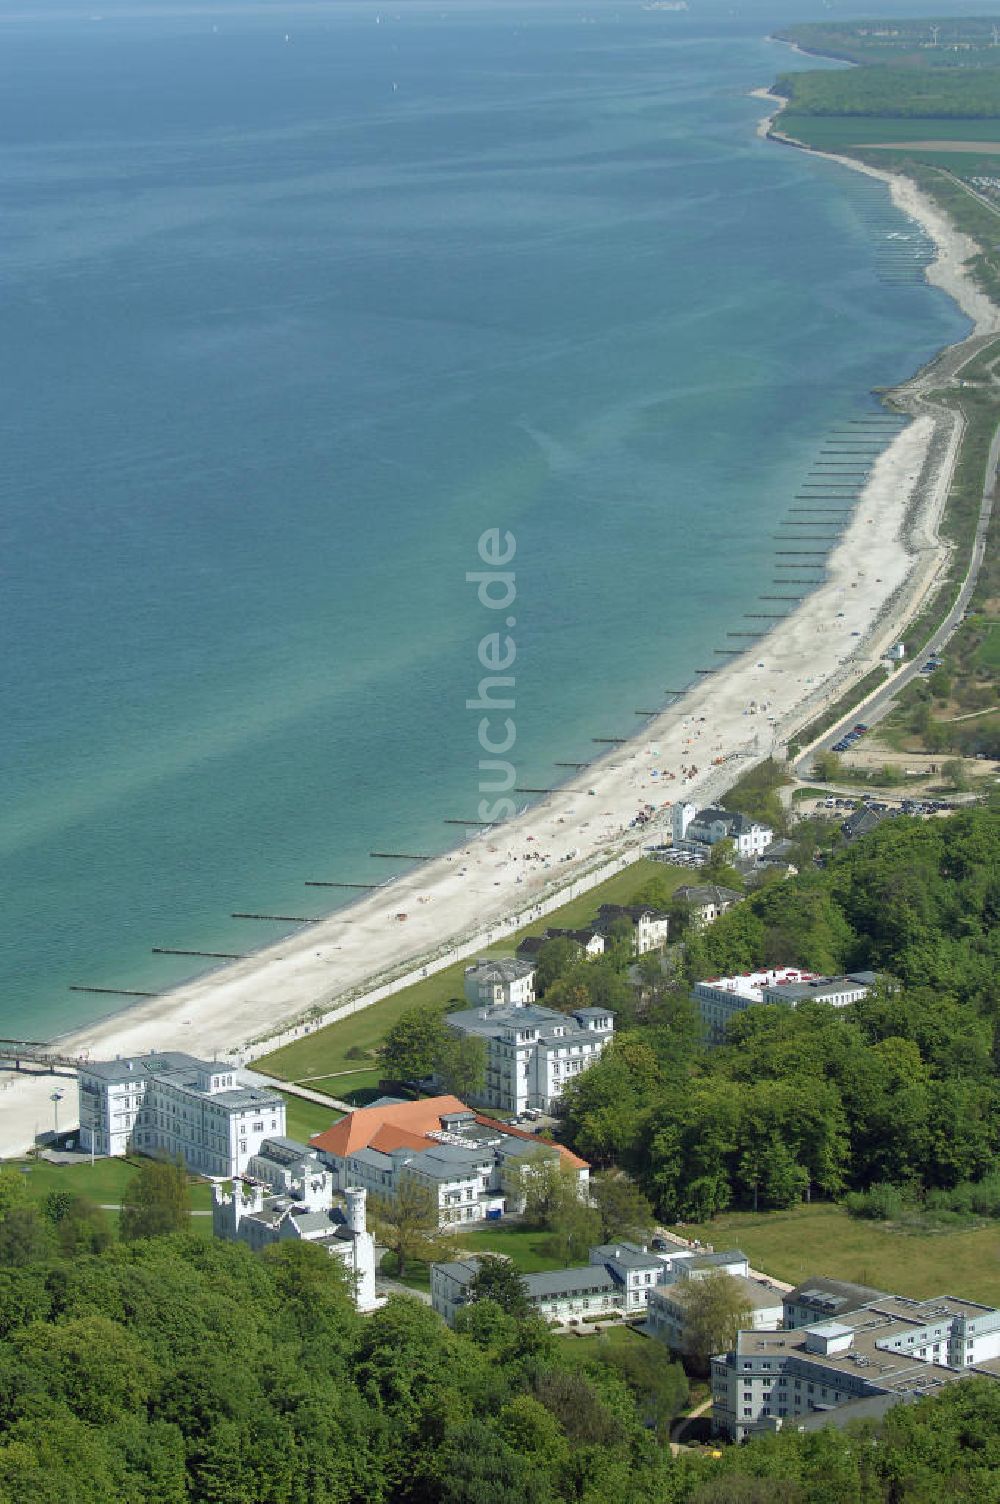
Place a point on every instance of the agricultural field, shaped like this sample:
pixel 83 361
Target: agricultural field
pixel 828 132
pixel 823 1239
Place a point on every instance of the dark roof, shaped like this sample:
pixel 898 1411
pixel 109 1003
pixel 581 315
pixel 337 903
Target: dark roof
pixel 591 1278
pixel 833 1297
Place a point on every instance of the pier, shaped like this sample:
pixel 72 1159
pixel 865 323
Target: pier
pixel 317 882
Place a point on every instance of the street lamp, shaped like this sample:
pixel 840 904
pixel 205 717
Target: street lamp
pixel 55 1099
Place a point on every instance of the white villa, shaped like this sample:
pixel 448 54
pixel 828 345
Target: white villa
pixel 174 1104
pixel 504 982
pixel 291 1197
pixel 720 998
pixel 708 901
pixel 650 927
pixel 532 1051
pixel 707 826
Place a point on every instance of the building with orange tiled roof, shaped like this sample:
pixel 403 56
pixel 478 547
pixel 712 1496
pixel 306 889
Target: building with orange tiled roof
pixel 474 1166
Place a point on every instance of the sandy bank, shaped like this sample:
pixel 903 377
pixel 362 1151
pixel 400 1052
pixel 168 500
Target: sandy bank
pixel 878 574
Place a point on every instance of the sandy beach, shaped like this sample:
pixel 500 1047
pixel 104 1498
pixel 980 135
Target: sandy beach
pixel 886 561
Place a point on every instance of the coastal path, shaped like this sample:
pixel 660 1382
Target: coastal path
pixel 305 1092
pixel 878 705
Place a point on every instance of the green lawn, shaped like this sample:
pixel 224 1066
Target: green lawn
pixel 524 1247
pixel 334 1050
pixel 103 1183
pixel 357 1087
pixel 988 655
pixel 581 1350
pixel 830 131
pixel 823 1239
pixel 303 1119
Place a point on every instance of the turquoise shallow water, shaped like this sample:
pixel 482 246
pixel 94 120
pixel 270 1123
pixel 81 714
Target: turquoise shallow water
pixel 286 325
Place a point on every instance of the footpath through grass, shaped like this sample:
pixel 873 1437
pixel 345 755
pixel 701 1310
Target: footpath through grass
pixel 823 1239
pixel 103 1183
pixel 351 1043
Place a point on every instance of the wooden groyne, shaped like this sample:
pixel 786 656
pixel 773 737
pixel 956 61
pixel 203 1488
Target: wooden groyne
pixel 319 882
pixel 207 955
pixel 110 991
pixel 282 918
pixel 401 856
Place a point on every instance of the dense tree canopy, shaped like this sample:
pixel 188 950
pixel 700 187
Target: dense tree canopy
pixel 902 1087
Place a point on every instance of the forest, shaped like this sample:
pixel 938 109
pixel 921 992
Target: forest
pixel 881 91
pixel 902 1088
pixel 170 1369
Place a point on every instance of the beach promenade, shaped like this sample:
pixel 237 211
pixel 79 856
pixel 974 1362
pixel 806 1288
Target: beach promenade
pixel 879 574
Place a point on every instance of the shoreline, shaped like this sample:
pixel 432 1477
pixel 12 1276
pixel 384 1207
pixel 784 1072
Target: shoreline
pixel 878 575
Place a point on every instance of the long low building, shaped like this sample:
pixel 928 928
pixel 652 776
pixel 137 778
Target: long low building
pixel 618 1280
pixel 474 1167
pixel 890 1347
pixel 720 999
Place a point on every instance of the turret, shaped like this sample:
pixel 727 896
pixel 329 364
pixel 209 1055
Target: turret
pixel 355 1198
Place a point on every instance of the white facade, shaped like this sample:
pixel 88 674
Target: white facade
pixel 650 928
pixel 249 1214
pixel 681 816
pixel 891 1346
pixel 708 901
pixel 749 837
pixel 532 1051
pixel 617 1281
pixel 474 1169
pixel 175 1104
pixel 668 1311
pixel 502 983
pixel 720 998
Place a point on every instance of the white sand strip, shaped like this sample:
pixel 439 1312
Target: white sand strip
pixel 878 576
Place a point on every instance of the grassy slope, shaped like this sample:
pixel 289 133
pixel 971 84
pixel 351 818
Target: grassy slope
pixel 325 1052
pixel 103 1183
pixel 823 1239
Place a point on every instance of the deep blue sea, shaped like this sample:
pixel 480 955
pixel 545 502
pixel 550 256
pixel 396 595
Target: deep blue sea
pixel 295 303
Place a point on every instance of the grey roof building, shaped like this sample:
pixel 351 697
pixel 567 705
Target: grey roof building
pixel 532 1051
pixel 175 1104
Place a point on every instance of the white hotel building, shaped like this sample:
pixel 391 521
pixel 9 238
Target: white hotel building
pixel 531 1051
pixel 174 1104
pixel 890 1349
pixel 720 998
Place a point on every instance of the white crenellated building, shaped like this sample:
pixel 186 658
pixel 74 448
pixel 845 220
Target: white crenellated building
pixel 175 1104
pixel 251 1212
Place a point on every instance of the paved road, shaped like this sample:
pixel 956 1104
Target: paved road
pixel 305 1092
pixel 875 709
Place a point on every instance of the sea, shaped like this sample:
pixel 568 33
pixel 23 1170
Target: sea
pixel 298 304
